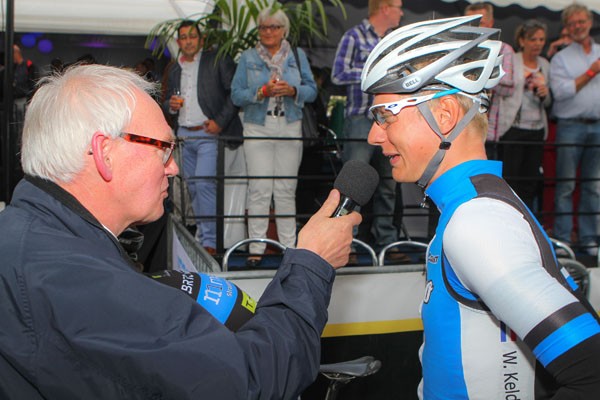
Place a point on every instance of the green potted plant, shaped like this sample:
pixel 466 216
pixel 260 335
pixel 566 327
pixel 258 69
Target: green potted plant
pixel 232 24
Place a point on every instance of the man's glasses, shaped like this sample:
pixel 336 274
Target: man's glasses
pixel 386 114
pixel 572 24
pixel 272 28
pixel 167 147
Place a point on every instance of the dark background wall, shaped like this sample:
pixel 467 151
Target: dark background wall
pixel 41 48
pixel 128 50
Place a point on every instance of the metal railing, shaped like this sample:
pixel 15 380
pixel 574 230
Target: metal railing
pixel 328 153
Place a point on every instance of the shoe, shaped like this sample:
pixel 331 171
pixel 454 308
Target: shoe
pixel 253 261
pixel 210 250
pixel 396 257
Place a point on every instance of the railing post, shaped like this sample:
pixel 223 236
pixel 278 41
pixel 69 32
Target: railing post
pixel 7 121
pixel 220 195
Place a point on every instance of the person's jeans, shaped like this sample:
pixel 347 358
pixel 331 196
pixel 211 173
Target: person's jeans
pixel 200 159
pixel 568 159
pixel 383 229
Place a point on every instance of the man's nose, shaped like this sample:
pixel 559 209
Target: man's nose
pixel 377 135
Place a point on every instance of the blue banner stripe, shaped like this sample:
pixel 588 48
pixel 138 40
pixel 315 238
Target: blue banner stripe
pixel 217 296
pixel 565 338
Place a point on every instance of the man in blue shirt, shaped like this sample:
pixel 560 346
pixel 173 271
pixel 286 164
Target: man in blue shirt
pixel 576 92
pixel 352 52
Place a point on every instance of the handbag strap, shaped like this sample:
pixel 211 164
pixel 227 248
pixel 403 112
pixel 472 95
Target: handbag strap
pixel 295 51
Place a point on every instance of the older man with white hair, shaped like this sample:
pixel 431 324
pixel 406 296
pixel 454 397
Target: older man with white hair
pixel 79 320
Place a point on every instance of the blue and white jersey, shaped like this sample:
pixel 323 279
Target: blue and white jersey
pixel 497 305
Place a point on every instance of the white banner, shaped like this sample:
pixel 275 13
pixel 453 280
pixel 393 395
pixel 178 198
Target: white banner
pixel 374 300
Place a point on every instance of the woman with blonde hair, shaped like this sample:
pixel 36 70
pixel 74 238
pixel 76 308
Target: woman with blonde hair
pixel 271 88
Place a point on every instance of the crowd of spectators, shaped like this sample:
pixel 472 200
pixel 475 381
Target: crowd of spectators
pixel 271 84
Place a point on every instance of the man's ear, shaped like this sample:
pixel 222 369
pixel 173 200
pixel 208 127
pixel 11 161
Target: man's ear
pixel 101 148
pixel 447 113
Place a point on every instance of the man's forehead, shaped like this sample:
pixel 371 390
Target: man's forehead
pixel 485 16
pixel 148 119
pixel 392 96
pixel 186 30
pixel 578 15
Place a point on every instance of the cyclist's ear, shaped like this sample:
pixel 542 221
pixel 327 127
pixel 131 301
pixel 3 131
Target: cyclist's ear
pixel 447 111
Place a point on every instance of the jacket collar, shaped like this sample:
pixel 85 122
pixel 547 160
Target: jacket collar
pixel 69 201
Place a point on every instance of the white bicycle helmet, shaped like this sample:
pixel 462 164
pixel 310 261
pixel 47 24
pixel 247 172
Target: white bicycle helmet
pixel 448 56
pixel 449 51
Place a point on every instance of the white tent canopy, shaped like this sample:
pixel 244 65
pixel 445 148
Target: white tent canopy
pixel 116 17
pixel 555 5
pixel 137 17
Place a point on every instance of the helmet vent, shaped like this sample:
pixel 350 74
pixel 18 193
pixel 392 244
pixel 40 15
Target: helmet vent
pixel 453 51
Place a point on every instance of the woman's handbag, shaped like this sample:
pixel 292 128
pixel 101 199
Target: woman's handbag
pixel 310 127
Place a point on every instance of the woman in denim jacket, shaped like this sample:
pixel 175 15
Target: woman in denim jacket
pixel 271 91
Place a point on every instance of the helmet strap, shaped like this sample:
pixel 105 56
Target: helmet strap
pixel 446 142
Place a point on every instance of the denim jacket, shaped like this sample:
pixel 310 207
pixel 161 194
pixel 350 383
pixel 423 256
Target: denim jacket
pixel 252 73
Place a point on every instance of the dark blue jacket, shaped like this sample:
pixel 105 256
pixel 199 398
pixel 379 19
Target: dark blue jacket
pixel 78 322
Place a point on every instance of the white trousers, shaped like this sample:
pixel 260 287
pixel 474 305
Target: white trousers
pixel 234 229
pixel 270 157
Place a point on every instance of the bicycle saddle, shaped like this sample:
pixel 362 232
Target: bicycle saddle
pixel 362 366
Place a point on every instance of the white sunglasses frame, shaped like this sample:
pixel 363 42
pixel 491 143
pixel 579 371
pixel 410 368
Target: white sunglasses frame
pixel 396 106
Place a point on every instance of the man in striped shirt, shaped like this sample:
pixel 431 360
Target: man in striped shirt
pixel 351 54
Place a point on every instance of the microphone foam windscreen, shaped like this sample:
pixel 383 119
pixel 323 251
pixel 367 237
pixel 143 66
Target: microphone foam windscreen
pixel 357 180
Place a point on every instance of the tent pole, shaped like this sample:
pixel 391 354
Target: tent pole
pixel 8 105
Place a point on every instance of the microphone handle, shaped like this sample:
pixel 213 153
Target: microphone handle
pixel 346 206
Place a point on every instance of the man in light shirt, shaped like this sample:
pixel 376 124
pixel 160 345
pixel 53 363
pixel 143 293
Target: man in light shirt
pixel 576 91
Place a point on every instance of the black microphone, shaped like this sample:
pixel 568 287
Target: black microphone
pixel 356 182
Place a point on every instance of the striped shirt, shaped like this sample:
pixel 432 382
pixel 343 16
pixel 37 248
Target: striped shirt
pixel 351 55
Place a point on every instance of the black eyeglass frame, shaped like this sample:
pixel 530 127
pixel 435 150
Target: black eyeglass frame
pixel 270 28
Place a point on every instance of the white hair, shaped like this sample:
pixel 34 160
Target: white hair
pixel 279 16
pixel 67 109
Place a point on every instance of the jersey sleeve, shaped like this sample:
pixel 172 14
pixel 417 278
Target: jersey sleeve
pixel 494 255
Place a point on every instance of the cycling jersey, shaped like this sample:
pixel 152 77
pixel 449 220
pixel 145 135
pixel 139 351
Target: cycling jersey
pixel 502 320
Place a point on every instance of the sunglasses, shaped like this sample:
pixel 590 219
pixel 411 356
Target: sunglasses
pixel 386 114
pixel 167 147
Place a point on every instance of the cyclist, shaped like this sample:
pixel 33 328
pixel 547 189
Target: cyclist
pixel 502 319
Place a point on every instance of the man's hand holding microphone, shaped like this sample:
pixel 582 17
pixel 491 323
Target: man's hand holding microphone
pixel 328 233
